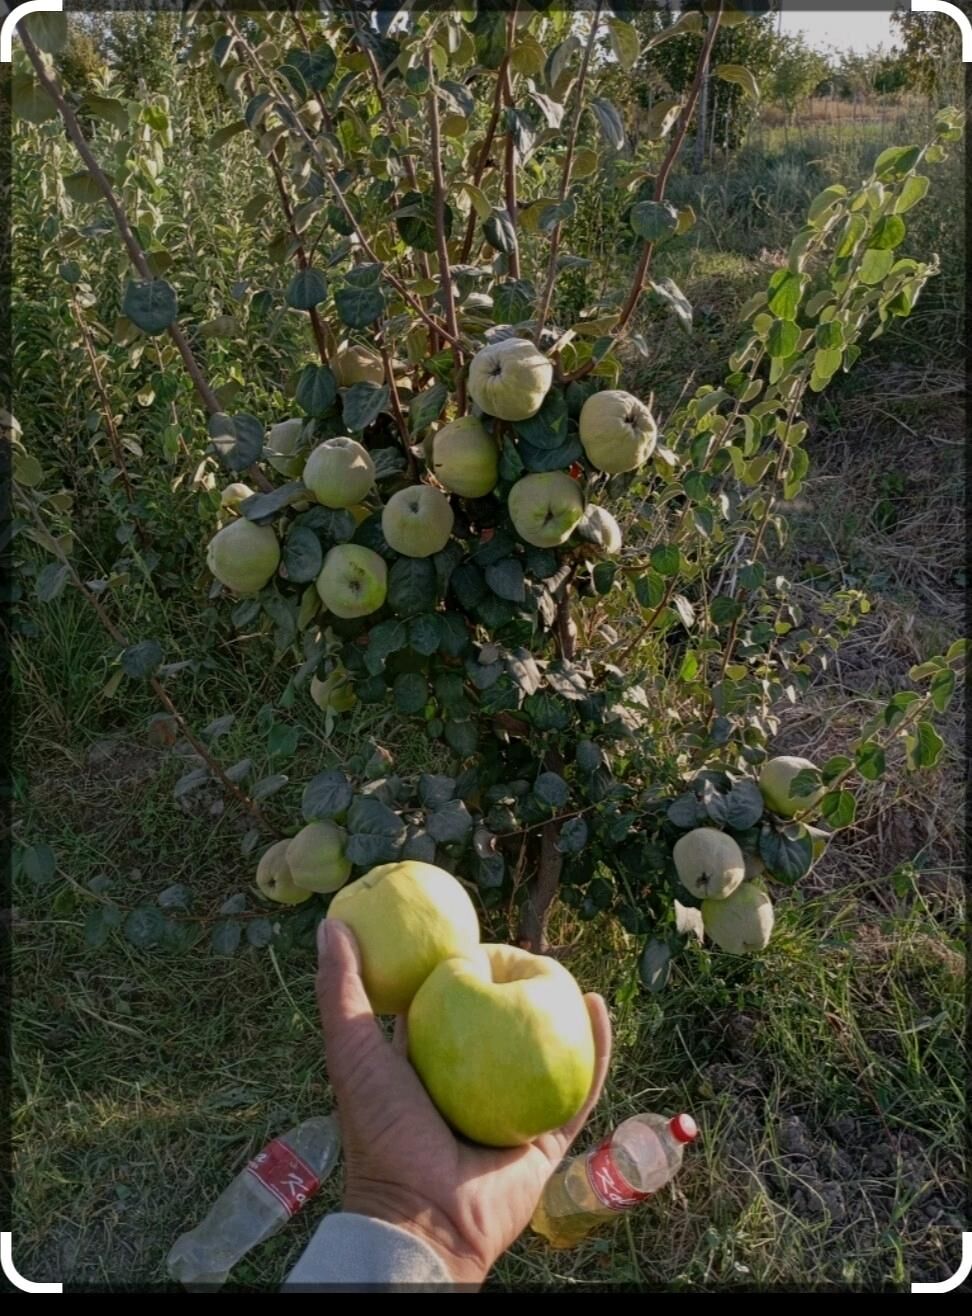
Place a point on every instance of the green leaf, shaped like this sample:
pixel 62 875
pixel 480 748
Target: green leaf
pixel 142 660
pixel 609 121
pixel 912 191
pixel 226 936
pixel 547 429
pixel 513 300
pixel 870 761
pixel 741 76
pixel 411 586
pixel 923 747
pixel 655 966
pixel 410 691
pixel 653 220
pixel 415 220
pixel 316 390
pixel 359 307
pixel 462 737
pixel 30 102
pixel 376 832
pixel 625 43
pixel 309 70
pixel 889 232
pixel 500 231
pixel 307 289
pixel 51 581
pixel 38 864
pixel 785 292
pixel 425 633
pixel 107 108
pixel 551 788
pixel 505 579
pixel 573 836
pixel 744 806
pixel 896 161
pixel 83 188
pixel 259 932
pixel 783 338
pixel 99 922
pixel 302 556
pixel 665 559
pixel 875 266
pixel 236 440
pixel 839 808
pixel 150 304
pixel 145 926
pixel 450 824
pixel 833 768
pixel 788 852
pixel 48 31
pixel 942 688
pixel 671 294
pixel 386 638
pixel 362 404
pixel 724 610
pixel 427 407
pixel 326 796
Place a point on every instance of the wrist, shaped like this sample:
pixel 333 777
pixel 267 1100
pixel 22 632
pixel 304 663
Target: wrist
pixel 429 1226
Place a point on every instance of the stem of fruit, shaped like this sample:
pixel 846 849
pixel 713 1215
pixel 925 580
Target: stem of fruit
pixel 135 253
pixel 441 242
pixel 565 175
pixel 661 183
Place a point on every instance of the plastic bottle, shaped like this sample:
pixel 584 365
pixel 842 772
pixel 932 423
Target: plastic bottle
pixel 259 1202
pixel 630 1164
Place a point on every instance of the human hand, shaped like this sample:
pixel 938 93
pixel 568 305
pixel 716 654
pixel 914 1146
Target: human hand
pixel 403 1164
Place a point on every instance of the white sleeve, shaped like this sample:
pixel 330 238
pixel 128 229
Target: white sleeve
pixel 355 1252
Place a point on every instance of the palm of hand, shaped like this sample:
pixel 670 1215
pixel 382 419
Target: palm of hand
pixel 403 1163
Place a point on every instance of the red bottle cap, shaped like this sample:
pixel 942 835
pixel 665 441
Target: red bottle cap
pixel 684 1128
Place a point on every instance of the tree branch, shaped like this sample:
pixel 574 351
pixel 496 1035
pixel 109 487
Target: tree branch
pixel 331 182
pixel 565 176
pixel 441 242
pixel 483 156
pixel 510 158
pixel 135 253
pixel 661 183
pixel 114 438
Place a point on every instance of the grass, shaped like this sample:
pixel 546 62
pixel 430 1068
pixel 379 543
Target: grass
pixel 826 1075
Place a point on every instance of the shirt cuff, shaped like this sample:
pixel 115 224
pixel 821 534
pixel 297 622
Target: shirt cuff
pixel 356 1252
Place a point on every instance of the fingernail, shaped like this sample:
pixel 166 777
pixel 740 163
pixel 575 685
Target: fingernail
pixel 322 939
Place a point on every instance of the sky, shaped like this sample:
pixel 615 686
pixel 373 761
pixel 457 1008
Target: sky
pixel 847 29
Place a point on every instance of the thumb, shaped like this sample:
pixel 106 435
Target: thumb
pixel 351 1032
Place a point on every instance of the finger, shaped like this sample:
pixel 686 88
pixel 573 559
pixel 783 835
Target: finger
pixel 351 1031
pixel 556 1144
pixel 400 1036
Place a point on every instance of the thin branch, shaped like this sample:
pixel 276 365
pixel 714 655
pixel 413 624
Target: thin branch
pixel 441 241
pixel 510 157
pixel 482 158
pixel 396 402
pixel 339 196
pixel 661 183
pixel 568 167
pixel 135 253
pixel 159 689
pixel 114 439
pixel 305 40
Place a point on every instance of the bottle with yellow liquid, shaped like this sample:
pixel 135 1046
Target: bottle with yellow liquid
pixel 635 1161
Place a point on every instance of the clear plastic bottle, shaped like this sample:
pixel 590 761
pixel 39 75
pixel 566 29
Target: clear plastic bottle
pixel 259 1202
pixel 630 1164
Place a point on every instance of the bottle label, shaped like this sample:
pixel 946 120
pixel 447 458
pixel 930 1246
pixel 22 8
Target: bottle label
pixel 608 1184
pixel 285 1175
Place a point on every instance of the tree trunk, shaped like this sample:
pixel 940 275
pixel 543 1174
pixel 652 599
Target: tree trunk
pixel 541 893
